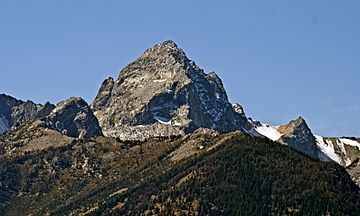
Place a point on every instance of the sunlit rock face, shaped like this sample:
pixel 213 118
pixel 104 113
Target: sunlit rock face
pixel 163 93
pixel 73 117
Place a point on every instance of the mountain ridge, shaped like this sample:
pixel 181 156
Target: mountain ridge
pixel 163 93
pixel 296 134
pixel 162 139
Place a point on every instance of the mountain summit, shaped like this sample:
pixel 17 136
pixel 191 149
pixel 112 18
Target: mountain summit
pixel 114 157
pixel 163 93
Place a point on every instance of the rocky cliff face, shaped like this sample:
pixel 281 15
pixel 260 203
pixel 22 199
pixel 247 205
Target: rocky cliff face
pixel 163 93
pixel 69 120
pixel 104 94
pixel 74 118
pixel 298 135
pixel 13 112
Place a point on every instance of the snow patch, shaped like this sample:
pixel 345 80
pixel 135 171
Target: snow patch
pixel 268 131
pixel 350 142
pixel 327 147
pixel 159 80
pixel 253 132
pixel 162 120
pixel 341 146
pixel 178 124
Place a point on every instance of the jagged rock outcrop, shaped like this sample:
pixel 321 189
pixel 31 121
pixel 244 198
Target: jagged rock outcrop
pixel 13 112
pixel 163 93
pixel 298 135
pixel 73 117
pixel 103 95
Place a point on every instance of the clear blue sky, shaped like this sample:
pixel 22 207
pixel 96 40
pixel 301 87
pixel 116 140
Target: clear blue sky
pixel 279 59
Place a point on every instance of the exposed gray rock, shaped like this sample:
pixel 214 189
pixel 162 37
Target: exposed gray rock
pixel 73 117
pixel 298 136
pixel 103 95
pixel 163 92
pixel 44 110
pixel 14 112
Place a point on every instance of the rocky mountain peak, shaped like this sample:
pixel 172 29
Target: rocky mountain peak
pixel 14 112
pixel 295 126
pixel 297 135
pixel 164 60
pixel 168 43
pixel 164 92
pixel 165 49
pixel 73 117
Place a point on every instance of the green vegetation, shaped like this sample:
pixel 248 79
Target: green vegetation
pixel 241 176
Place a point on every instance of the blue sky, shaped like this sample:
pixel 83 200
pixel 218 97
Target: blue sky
pixel 280 59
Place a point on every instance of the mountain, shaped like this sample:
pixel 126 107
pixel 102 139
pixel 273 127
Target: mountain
pixel 163 93
pixel 13 112
pixel 163 139
pixel 70 120
pixel 297 135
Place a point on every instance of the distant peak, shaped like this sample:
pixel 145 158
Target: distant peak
pixel 299 124
pixel 168 43
pixel 72 101
pixel 300 119
pixel 164 56
pixel 167 47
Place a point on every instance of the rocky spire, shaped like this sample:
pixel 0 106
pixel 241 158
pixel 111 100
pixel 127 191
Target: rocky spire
pixel 103 95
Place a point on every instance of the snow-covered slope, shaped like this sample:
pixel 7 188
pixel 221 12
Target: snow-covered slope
pixel 327 147
pixel 343 151
pixel 268 131
pixel 350 142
